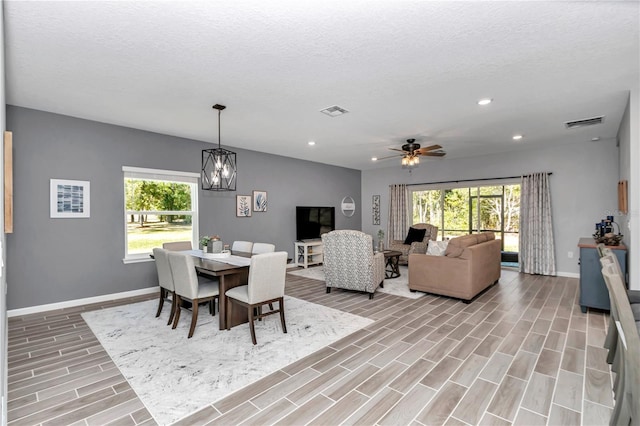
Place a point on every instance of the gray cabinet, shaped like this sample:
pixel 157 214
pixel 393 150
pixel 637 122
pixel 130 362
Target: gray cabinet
pixel 593 290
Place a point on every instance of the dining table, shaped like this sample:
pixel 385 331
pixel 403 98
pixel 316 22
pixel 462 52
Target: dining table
pixel 231 271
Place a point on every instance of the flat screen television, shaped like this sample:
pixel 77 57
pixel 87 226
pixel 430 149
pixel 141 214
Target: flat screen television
pixel 311 222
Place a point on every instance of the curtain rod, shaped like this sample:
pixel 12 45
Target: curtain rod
pixel 468 180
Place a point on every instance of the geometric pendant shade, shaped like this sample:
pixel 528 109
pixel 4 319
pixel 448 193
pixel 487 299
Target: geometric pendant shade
pixel 219 167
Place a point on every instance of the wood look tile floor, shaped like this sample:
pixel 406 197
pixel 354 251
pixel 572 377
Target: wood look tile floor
pixel 521 354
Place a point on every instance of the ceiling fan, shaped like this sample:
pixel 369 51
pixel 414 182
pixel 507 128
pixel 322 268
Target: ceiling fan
pixel 411 152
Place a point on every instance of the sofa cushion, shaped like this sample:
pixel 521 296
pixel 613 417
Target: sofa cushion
pixel 482 237
pixel 458 244
pixel 437 248
pixel 486 236
pixel 415 235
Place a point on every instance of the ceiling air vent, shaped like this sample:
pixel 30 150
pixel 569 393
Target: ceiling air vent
pixel 334 111
pixel 586 122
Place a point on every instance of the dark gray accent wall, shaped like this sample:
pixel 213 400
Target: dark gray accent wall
pixel 54 260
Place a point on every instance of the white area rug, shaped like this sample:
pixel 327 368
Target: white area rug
pixel 174 376
pixel 396 286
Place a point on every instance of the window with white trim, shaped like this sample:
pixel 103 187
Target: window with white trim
pixel 160 206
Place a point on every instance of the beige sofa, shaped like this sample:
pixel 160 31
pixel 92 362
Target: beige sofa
pixel 471 263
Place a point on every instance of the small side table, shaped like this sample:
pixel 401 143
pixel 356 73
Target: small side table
pixel 391 269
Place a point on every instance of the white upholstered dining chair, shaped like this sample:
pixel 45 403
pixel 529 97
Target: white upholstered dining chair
pixel 263 248
pixel 190 286
pixel 177 245
pixel 626 387
pixel 243 246
pixel 266 285
pixel 165 280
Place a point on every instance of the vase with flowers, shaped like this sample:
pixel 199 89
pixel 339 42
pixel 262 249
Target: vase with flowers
pixel 211 243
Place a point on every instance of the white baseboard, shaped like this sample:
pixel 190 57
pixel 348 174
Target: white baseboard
pixel 78 302
pixel 569 274
pixel 132 293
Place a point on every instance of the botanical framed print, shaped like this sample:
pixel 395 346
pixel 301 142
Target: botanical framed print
pixel 69 199
pixel 259 201
pixel 243 205
pixel 375 207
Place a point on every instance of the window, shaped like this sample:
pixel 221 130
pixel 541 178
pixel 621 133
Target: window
pixel 461 211
pixel 160 206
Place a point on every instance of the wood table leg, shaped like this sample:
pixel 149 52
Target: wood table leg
pixel 238 315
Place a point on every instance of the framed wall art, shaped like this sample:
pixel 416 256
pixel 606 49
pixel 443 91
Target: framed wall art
pixel 243 205
pixel 69 199
pixel 259 201
pixel 8 182
pixel 623 202
pixel 375 209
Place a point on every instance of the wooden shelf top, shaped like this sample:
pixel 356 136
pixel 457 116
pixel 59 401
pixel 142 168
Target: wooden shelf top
pixel 589 242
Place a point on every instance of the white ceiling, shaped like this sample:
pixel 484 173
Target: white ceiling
pixel 404 69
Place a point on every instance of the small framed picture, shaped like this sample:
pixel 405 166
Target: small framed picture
pixel 375 207
pixel 259 201
pixel 243 205
pixel 69 199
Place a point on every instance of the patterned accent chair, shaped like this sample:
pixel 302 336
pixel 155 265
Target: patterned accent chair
pixel 349 262
pixel 415 247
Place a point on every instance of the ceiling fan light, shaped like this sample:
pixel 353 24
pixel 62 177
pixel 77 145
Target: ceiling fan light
pixel 417 160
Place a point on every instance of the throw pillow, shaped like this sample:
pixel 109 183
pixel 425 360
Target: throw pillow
pixel 415 235
pixel 437 248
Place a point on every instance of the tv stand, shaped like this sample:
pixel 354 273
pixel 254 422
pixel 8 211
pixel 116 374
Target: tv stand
pixel 309 252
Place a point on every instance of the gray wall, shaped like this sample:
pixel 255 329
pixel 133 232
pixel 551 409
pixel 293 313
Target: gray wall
pixel 629 140
pixel 53 260
pixel 624 172
pixel 3 279
pixel 583 186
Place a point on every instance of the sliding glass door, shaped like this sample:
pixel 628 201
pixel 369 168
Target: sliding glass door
pixel 468 210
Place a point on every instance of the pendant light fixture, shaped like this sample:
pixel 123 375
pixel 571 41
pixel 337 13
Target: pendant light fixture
pixel 218 165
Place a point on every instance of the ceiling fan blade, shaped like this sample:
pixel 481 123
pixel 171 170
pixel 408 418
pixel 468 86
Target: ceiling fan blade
pixel 428 148
pixel 391 156
pixel 434 154
pixel 396 149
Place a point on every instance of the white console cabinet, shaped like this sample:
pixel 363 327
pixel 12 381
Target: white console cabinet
pixel 308 253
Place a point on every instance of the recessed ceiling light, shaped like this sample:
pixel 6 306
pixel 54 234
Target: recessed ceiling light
pixel 486 101
pixel 517 137
pixel 597 138
pixel 374 158
pixel 311 143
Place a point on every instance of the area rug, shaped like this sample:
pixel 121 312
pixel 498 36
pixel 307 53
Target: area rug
pixel 396 286
pixel 175 376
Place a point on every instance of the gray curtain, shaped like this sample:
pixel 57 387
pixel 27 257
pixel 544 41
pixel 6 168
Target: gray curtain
pixel 537 250
pixel 398 214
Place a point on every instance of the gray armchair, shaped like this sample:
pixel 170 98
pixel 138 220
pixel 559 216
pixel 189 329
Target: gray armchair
pixel 417 246
pixel 349 262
